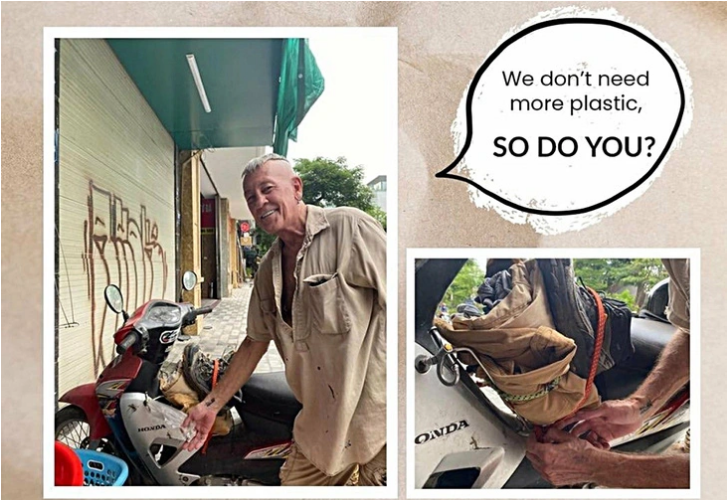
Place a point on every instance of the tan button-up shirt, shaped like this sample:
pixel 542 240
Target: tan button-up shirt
pixel 678 312
pixel 335 352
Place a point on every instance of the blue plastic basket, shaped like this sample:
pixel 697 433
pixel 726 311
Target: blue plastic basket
pixel 102 469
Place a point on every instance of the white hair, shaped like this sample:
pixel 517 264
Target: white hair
pixel 258 162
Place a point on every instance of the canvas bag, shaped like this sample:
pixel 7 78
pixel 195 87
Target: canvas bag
pixel 523 353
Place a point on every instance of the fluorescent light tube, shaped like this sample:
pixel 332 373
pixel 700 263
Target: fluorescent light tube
pixel 198 82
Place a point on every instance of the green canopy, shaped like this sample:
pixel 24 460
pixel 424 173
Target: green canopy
pixel 301 83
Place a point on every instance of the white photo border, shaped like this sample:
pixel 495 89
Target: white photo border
pixel 693 254
pixel 390 149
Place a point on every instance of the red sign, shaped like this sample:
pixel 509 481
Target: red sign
pixel 208 213
pixel 245 226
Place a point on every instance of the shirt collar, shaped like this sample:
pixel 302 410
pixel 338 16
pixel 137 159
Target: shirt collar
pixel 315 222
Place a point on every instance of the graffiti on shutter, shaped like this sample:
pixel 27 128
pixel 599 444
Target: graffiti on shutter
pixel 122 248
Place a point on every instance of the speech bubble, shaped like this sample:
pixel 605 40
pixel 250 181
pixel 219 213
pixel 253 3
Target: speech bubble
pixel 568 116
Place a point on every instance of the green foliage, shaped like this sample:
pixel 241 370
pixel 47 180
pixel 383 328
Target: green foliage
pixel 627 297
pixel 333 183
pixel 330 183
pixel 378 214
pixel 610 276
pixel 464 285
pixel 262 240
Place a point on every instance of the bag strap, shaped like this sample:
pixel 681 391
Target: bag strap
pixel 522 398
pixel 215 373
pixel 600 334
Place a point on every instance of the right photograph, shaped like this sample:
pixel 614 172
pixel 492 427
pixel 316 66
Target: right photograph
pixel 570 372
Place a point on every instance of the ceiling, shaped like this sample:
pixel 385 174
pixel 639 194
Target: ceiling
pixel 240 77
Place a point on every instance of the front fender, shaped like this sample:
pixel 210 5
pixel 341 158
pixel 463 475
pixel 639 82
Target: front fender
pixel 84 396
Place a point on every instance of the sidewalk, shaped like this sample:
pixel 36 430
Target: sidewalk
pixel 224 328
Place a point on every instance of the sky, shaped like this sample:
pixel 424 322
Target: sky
pixel 354 114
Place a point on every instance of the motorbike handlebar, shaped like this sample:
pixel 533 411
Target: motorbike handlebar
pixel 204 310
pixel 128 341
pixel 191 316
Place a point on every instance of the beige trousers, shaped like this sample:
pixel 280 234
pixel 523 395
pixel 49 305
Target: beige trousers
pixel 298 471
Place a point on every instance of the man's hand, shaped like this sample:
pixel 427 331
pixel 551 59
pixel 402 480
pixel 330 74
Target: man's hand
pixel 202 417
pixel 562 458
pixel 200 420
pixel 611 420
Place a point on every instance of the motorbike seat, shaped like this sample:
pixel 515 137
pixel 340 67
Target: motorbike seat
pixel 649 338
pixel 225 456
pixel 268 395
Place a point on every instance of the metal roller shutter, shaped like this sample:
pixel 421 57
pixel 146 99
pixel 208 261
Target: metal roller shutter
pixel 115 203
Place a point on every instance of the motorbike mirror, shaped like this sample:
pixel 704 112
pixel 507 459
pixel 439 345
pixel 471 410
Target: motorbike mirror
pixel 114 299
pixel 189 280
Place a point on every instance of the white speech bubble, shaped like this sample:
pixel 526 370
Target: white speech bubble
pixel 569 119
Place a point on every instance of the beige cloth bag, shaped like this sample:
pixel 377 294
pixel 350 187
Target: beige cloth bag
pixel 176 390
pixel 527 360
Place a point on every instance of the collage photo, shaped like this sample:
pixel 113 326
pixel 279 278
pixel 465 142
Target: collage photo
pixel 376 250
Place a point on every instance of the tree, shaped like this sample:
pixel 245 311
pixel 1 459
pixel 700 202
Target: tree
pixel 262 240
pixel 331 183
pixel 610 276
pixel 465 284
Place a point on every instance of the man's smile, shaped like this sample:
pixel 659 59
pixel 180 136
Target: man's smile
pixel 266 214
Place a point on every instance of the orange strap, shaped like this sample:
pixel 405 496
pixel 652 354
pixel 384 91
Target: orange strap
pixel 215 372
pixel 600 334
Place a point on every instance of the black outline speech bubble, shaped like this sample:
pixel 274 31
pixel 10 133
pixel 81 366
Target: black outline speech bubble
pixel 470 94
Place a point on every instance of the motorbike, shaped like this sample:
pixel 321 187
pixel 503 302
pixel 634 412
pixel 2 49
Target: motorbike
pixel 124 413
pixel 467 437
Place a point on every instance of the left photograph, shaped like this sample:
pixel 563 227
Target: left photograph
pixel 220 264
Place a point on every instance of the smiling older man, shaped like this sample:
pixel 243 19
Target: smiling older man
pixel 320 295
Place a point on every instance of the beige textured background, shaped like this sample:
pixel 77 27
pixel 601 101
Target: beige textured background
pixel 440 48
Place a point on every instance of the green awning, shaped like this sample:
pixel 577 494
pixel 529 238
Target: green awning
pixel 301 83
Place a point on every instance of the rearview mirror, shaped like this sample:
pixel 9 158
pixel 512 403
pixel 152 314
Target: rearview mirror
pixel 189 280
pixel 114 299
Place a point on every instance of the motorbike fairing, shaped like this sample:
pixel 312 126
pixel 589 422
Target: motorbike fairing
pixel 459 442
pixel 154 430
pixel 84 397
pixel 227 456
pixel 257 448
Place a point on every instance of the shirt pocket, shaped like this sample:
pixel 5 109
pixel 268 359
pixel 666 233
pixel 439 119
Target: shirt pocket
pixel 326 307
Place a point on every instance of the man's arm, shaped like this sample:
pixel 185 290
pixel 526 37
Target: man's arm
pixel 563 459
pixel 243 363
pixel 669 375
pixel 614 419
pixel 620 470
pixel 368 268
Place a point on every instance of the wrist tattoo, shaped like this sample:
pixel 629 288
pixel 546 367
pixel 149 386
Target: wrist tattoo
pixel 647 406
pixel 210 402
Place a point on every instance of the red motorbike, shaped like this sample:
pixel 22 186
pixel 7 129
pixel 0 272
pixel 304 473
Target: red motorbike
pixel 125 414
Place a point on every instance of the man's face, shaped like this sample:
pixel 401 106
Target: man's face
pixel 272 193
